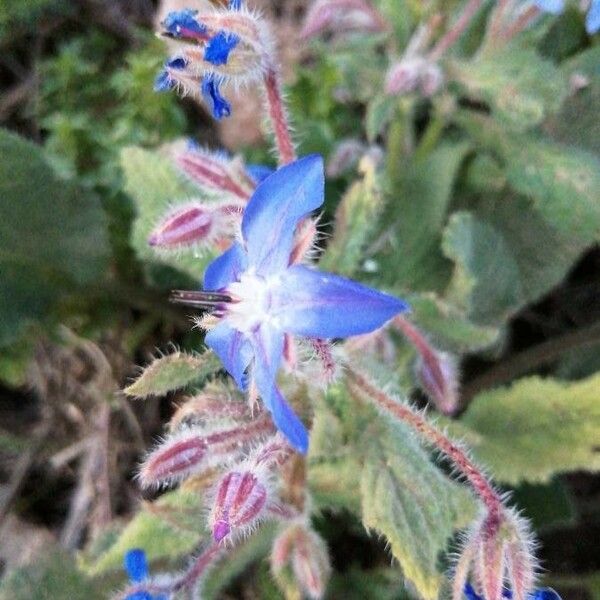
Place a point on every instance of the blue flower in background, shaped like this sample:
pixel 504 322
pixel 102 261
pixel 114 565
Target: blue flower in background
pixel 539 594
pixel 556 7
pixel 136 566
pixel 261 297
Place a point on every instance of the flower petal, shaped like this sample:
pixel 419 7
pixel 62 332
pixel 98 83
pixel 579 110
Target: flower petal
pixel 592 20
pixel 234 350
pixel 268 352
pixel 211 92
pixel 275 209
pixel 136 565
pixel 225 269
pixel 554 7
pixel 218 49
pixel 311 303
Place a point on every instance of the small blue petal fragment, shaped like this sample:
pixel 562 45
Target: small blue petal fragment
pixel 268 351
pixel 258 173
pixel 163 82
pixel 139 596
pixel 136 565
pixel 279 203
pixel 177 62
pixel 218 49
pixel 234 350
pixel 544 594
pixel 182 22
pixel 225 269
pixel 554 7
pixel 470 592
pixel 592 20
pixel 235 4
pixel 312 303
pixel 212 94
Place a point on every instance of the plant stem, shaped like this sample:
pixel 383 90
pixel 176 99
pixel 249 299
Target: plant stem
pixel 521 22
pixel 279 118
pixel 464 465
pixel 452 35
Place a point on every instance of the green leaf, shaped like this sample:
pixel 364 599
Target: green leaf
pixel 380 111
pixel 486 276
pixel 54 576
pixel 172 372
pixel 355 221
pixel 521 87
pixel 535 428
pixel 562 181
pixel 156 187
pixel 406 498
pixel 448 326
pixel 53 237
pixel 413 221
pixel 167 529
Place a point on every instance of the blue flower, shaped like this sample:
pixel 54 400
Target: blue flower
pixel 556 7
pixel 136 567
pixel 262 297
pixel 218 48
pixel 235 4
pixel 258 173
pixel 538 594
pixel 183 23
pixel 211 92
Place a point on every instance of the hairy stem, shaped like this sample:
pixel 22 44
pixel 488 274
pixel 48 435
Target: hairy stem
pixel 451 36
pixel 464 465
pixel 279 118
pixel 521 23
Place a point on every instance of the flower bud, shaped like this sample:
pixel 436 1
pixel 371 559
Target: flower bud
pixel 186 226
pixel 300 550
pixel 497 554
pixel 436 370
pixel 240 502
pixel 216 171
pixel 341 16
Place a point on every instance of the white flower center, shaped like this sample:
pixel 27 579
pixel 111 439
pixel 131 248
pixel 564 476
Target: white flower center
pixel 252 299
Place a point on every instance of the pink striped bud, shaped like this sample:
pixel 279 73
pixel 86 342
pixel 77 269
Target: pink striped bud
pixel 186 226
pixel 342 16
pixel 412 74
pixel 193 451
pixel 298 551
pixel 497 556
pixel 217 172
pixel 240 502
pixel 436 370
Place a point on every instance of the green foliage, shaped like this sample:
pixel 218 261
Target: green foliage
pixel 172 372
pixel 54 577
pixel 155 186
pixel 53 238
pixel 535 428
pixel 398 484
pixel 168 529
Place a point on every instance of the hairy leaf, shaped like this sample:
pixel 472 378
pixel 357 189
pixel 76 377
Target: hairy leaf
pixel 406 498
pixel 172 372
pixel 156 187
pixel 355 221
pixel 413 221
pixel 521 87
pixel 167 529
pixel 53 237
pixel 486 277
pixel 535 428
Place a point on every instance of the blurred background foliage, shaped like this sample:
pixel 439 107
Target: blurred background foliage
pixel 480 204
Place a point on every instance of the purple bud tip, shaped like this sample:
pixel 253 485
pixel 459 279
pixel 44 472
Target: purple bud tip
pixel 221 530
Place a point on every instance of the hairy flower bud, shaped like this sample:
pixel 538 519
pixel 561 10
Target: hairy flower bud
pixel 240 502
pixel 497 554
pixel 299 551
pixel 412 74
pixel 188 225
pixel 216 171
pixel 341 16
pixel 192 451
pixel 226 44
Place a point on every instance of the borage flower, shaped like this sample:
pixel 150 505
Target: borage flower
pixel 215 47
pixel 257 297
